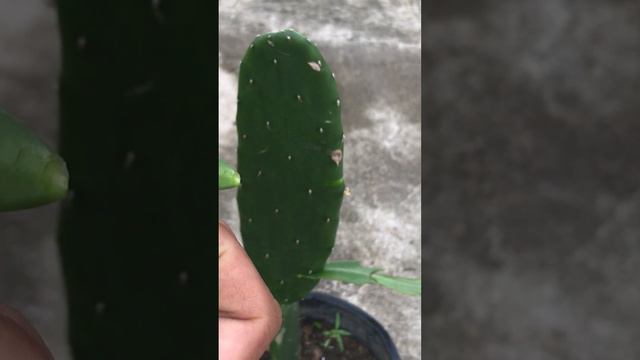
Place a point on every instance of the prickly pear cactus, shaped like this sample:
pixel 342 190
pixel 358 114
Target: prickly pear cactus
pixel 290 159
pixel 138 123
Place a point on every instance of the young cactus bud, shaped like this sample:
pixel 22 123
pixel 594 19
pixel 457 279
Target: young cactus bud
pixel 30 174
pixel 227 177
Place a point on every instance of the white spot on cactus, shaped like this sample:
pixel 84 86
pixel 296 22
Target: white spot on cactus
pixel 183 277
pixel 333 75
pixel 269 125
pixel 321 131
pixel 336 156
pixel 315 65
pixel 140 89
pixel 259 173
pixel 129 158
pixel 271 43
pixel 338 102
pixel 299 97
pixel 310 272
pixel 266 256
pixel 347 191
pixel 250 220
pixel 277 211
pixel 327 121
pixel 288 37
pixel 286 299
pixel 281 282
pixel 155 5
pixel 289 157
pixel 275 61
pixel 344 137
pixel 297 242
pixel 251 81
pixel 81 42
pixel 328 220
pixel 99 307
pixel 244 136
pixel 310 191
pixel 320 62
pixel 251 46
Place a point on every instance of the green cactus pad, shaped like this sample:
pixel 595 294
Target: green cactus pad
pixel 290 158
pixel 30 174
pixel 137 125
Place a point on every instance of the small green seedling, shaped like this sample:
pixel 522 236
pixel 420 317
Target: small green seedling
pixel 228 177
pixel 335 333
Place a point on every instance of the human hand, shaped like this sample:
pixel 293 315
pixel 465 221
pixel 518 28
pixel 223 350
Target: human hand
pixel 18 339
pixel 248 315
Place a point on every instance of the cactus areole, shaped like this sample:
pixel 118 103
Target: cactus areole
pixel 290 152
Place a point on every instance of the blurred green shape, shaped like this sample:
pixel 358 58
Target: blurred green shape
pixel 30 173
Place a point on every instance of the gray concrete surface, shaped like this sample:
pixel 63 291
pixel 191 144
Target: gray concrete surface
pixel 30 273
pixel 532 179
pixel 374 49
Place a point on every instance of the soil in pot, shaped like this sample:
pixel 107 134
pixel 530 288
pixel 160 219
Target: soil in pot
pixel 312 344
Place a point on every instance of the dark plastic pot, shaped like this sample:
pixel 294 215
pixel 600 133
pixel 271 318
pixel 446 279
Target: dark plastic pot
pixel 318 306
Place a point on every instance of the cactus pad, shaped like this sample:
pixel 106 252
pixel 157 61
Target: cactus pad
pixel 290 159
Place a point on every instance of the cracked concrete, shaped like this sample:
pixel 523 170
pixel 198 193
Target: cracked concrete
pixel 532 179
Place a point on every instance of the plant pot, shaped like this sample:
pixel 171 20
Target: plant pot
pixel 363 327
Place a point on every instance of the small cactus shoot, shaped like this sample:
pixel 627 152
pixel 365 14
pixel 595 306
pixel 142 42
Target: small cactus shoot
pixel 290 155
pixel 30 173
pixel 227 177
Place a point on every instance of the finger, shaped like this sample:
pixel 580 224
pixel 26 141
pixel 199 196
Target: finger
pixel 246 308
pixel 18 339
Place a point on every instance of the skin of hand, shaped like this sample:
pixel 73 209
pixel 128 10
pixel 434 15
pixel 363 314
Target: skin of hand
pixel 18 339
pixel 248 315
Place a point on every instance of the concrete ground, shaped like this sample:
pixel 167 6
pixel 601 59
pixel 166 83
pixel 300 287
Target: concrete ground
pixel 532 179
pixel 374 49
